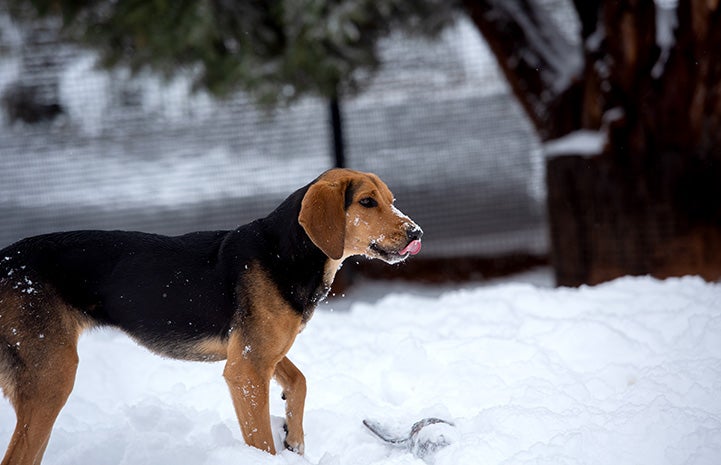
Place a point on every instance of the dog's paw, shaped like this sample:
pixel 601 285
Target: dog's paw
pixel 297 448
pixel 294 446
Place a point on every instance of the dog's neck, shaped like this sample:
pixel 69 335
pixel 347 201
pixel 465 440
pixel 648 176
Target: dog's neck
pixel 303 271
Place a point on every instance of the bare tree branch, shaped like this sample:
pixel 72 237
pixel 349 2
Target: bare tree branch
pixel 539 62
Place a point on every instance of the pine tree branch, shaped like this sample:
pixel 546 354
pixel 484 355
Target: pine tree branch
pixel 276 51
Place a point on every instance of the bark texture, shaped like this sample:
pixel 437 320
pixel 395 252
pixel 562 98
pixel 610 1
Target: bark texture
pixel 650 79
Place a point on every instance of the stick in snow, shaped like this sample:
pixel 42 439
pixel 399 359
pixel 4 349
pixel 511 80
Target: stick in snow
pixel 420 443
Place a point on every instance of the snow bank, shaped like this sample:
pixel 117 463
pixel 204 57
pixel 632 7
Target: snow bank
pixel 623 373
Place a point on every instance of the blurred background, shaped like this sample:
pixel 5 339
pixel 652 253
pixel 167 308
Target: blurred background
pixel 167 117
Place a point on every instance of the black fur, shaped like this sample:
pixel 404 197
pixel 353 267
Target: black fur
pixel 182 289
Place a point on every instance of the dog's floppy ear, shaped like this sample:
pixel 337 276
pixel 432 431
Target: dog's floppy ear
pixel 322 216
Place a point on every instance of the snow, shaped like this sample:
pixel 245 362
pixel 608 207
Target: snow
pixel 10 65
pixel 79 178
pixel 583 142
pixel 87 108
pixel 88 94
pixel 623 373
pixel 666 23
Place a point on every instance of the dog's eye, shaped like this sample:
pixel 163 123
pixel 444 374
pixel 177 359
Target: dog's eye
pixel 368 202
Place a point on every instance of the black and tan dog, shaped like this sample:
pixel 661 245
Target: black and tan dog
pixel 240 295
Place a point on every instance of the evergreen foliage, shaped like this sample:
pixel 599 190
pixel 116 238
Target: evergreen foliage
pixel 275 50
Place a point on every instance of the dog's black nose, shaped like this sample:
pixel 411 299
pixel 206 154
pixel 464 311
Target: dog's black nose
pixel 414 233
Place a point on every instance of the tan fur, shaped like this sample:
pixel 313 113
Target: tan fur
pixel 294 389
pixel 211 350
pixel 357 227
pixel 9 324
pixel 40 380
pixel 322 216
pixel 254 351
pixel 41 331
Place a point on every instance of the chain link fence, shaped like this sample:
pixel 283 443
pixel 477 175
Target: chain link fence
pixel 82 148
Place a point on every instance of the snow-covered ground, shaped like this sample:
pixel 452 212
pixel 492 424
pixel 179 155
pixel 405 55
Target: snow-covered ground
pixel 628 372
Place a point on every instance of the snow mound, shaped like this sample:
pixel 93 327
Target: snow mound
pixel 626 372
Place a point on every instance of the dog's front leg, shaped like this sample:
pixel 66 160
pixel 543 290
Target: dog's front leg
pixel 293 383
pixel 249 383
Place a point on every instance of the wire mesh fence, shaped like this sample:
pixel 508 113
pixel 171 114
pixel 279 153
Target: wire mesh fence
pixel 83 148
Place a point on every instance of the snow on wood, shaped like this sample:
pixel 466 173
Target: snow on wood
pixel 666 23
pixel 583 142
pixel 594 41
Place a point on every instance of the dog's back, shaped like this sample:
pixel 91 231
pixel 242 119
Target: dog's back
pixel 145 284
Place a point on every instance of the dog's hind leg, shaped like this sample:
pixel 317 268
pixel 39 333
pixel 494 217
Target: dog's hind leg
pixel 38 362
pixel 294 389
pixel 40 395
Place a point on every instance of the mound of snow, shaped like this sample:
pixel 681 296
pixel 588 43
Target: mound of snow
pixel 623 373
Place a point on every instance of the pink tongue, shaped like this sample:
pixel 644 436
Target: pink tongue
pixel 412 248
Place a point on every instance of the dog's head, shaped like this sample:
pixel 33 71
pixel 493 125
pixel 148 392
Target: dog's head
pixel 346 212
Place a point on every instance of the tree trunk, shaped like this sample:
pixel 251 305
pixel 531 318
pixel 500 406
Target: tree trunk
pixel 609 220
pixel 650 201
